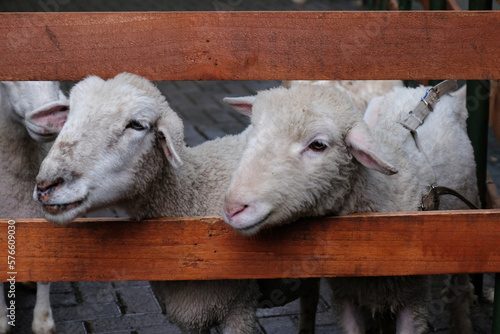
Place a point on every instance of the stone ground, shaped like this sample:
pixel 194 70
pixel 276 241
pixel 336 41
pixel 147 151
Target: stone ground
pixel 129 307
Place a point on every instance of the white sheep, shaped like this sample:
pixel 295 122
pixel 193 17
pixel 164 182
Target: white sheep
pixel 31 113
pixel 458 290
pixel 123 145
pixel 310 153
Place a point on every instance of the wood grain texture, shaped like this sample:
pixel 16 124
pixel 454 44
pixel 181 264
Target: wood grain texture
pixel 206 248
pixel 251 45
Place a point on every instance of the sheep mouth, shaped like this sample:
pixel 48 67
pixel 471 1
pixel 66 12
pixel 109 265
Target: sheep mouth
pixel 56 209
pixel 255 227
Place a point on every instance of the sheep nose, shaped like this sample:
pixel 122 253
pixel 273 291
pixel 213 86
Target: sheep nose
pixel 233 209
pixel 45 188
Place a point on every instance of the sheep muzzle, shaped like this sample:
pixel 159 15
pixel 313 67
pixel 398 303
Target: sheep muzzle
pixel 44 189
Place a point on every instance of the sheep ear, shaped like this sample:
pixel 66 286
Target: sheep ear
pixel 372 111
pixel 45 122
pixel 364 149
pixel 243 104
pixel 168 146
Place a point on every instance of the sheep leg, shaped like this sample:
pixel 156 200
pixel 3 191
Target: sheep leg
pixel 4 326
pixel 43 322
pixel 351 318
pixel 308 306
pixel 404 322
pixel 240 321
pixel 459 294
pixel 410 321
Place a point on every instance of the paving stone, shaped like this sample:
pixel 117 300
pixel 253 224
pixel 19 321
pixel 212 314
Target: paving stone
pixel 259 330
pixel 86 312
pixel 192 136
pixel 96 292
pixel 327 330
pixel 325 318
pixel 204 101
pixel 63 298
pixel 211 132
pixel 127 322
pixel 168 329
pixel 288 309
pixel 186 86
pixel 182 103
pixel 254 86
pixel 138 300
pixel 233 128
pixel 277 325
pixel 60 287
pixel 71 327
pixel 227 115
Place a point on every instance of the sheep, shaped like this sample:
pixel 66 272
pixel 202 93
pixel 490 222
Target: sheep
pixel 310 153
pixel 361 92
pixel 31 113
pixel 123 145
pixel 458 290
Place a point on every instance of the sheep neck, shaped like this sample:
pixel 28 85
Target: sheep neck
pixel 357 197
pixel 177 191
pixel 401 192
pixel 194 189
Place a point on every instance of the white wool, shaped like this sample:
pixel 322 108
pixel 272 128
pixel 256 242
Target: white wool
pixel 443 138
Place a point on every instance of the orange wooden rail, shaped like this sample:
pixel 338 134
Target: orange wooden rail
pixel 251 45
pixel 206 248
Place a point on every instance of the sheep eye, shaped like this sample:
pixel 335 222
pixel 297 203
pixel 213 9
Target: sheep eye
pixel 135 125
pixel 318 146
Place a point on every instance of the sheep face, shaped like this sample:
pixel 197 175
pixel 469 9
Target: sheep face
pixel 299 158
pixel 39 106
pixel 110 147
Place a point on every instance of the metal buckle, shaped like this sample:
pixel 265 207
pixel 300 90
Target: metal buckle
pixel 430 202
pixel 427 104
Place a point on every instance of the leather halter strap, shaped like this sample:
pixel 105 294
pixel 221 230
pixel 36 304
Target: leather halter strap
pixel 416 118
pixel 431 200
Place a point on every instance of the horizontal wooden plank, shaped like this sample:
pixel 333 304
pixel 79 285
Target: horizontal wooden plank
pixel 206 248
pixel 251 45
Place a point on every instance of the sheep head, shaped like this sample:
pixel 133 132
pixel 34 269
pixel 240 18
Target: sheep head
pixel 111 147
pixel 304 151
pixel 39 106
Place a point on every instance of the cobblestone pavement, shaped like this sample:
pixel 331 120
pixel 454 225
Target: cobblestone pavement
pixel 130 307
